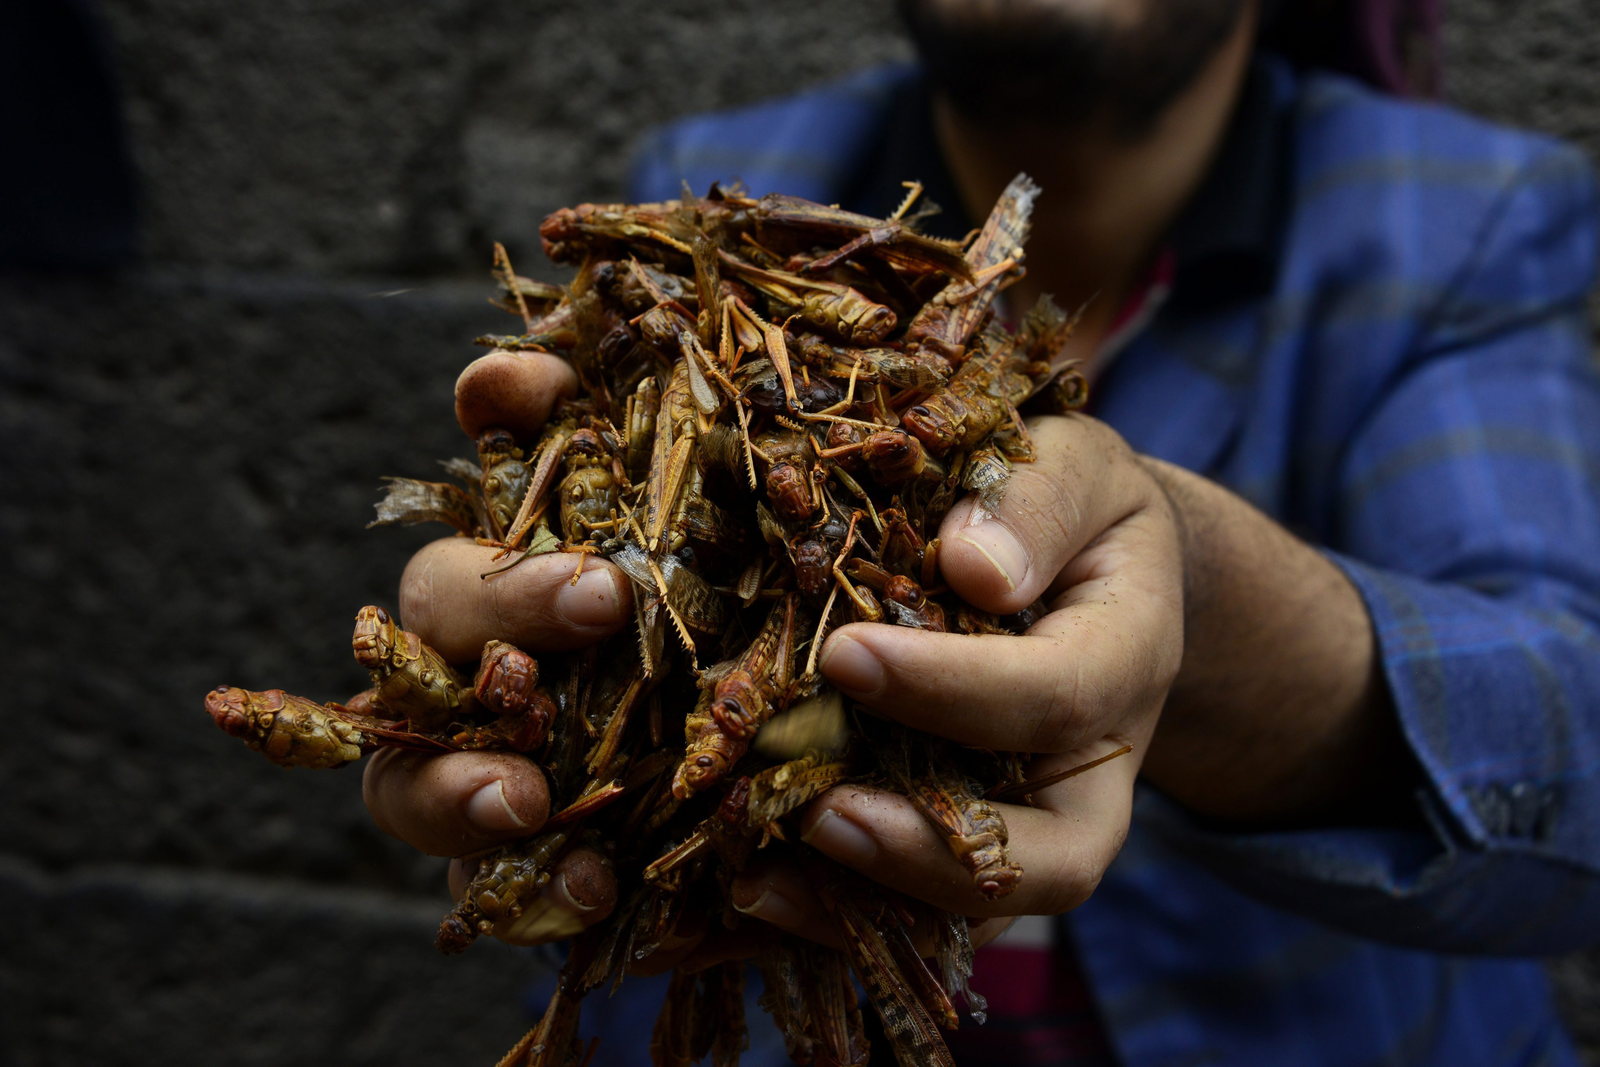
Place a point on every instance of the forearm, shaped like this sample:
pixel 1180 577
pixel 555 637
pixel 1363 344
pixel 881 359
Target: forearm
pixel 1280 715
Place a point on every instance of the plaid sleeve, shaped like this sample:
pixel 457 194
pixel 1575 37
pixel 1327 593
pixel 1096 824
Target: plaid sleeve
pixel 1469 521
pixel 806 145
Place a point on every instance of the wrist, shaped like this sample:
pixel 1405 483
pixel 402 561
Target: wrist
pixel 1279 713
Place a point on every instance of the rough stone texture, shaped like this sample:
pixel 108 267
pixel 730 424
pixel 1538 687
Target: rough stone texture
pixel 349 136
pixel 1528 63
pixel 194 459
pixel 197 460
pixel 192 448
pixel 130 966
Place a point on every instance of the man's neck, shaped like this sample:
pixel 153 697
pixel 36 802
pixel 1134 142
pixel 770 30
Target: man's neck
pixel 1106 202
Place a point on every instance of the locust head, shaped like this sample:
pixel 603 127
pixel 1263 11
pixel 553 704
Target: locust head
pixel 998 880
pixel 790 492
pixel 230 708
pixel 931 427
pixel 495 444
pixel 454 935
pixel 584 448
pixel 872 325
pixel 893 456
pixel 738 706
pixel 812 565
pixel 375 637
pixel 561 233
pixel 698 771
pixel 506 679
pixel 903 590
pixel 735 805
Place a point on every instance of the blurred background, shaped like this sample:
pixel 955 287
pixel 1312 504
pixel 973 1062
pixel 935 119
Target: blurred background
pixel 243 251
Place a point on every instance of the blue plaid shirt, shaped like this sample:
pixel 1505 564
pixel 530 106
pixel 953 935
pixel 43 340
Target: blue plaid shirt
pixel 1408 385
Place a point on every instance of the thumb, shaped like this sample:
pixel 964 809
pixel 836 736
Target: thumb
pixel 1083 480
pixel 512 390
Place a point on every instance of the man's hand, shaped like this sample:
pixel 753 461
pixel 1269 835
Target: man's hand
pixel 1089 529
pixel 1163 590
pixel 1278 714
pixel 464 802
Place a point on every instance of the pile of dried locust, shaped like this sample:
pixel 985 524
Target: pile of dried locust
pixel 780 401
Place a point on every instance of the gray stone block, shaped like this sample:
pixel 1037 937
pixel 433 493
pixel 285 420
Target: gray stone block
pixel 190 463
pixel 351 136
pixel 137 966
pixel 1528 63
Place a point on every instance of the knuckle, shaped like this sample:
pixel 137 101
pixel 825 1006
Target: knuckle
pixel 1059 711
pixel 526 607
pixel 1048 510
pixel 1075 881
pixel 417 587
pixel 373 792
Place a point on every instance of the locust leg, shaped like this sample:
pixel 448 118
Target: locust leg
pixel 583 553
pixel 508 278
pixel 1010 793
pixel 827 609
pixel 912 1032
pixel 545 476
pixel 1029 452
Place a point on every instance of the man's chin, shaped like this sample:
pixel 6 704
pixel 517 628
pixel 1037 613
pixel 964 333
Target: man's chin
pixel 1066 63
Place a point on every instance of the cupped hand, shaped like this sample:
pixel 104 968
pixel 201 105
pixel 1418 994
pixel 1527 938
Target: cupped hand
pixel 462 803
pixel 1087 528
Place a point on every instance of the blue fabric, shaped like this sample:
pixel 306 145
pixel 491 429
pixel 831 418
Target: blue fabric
pixel 1415 394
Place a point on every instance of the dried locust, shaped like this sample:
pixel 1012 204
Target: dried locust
pixel 770 426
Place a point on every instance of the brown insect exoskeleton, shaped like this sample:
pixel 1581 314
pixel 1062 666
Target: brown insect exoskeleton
pixel 506 475
pixel 290 731
pixel 788 456
pixel 569 233
pixel 739 697
pixel 983 394
pixel 828 306
pixel 412 680
pixel 588 491
pixel 974 830
pixel 772 368
pixel 880 952
pixel 507 684
pixel 946 323
pixel 507 881
pixel 893 239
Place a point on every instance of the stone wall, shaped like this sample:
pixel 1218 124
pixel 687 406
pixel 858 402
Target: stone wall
pixel 191 449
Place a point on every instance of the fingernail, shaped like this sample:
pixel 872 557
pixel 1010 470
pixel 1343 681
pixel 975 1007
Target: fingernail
pixel 565 895
pixel 594 601
pixel 488 809
pixel 852 666
pixel 773 907
pixel 999 546
pixel 842 839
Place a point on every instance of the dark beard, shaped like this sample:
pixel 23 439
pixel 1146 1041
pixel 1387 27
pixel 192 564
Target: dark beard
pixel 1020 62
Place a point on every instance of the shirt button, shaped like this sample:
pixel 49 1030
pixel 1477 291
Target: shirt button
pixel 1494 809
pixel 1524 803
pixel 1549 810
